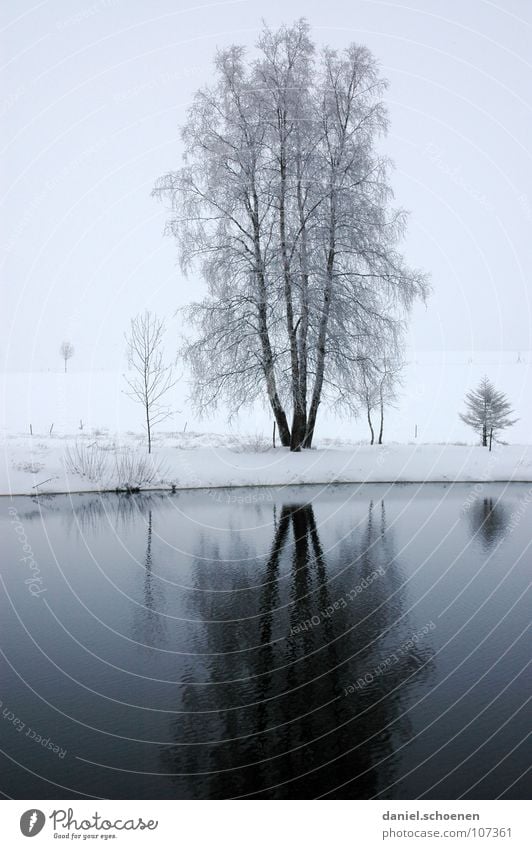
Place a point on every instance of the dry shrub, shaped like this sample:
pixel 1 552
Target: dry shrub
pixel 87 460
pixel 133 470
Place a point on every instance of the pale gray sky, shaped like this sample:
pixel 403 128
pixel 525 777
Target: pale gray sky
pixel 94 92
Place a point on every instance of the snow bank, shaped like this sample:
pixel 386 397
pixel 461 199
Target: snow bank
pixel 52 465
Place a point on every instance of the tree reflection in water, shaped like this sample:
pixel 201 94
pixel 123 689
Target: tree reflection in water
pixel 267 711
pixel 488 518
pixel 149 629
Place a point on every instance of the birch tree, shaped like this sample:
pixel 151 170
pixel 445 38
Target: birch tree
pixel 223 223
pixel 283 203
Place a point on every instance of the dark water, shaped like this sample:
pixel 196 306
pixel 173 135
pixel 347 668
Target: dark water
pixel 348 642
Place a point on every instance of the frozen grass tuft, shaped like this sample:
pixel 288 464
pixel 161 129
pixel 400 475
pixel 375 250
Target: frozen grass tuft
pixel 110 466
pixel 31 467
pixel 86 460
pixel 134 471
pixel 256 444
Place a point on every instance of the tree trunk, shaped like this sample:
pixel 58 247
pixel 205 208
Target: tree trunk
pixel 484 436
pixel 275 403
pixel 277 409
pixel 382 419
pixel 267 353
pixel 322 333
pixel 299 412
pixel 299 429
pixel 148 428
pixel 304 320
pixel 371 426
pixel 311 423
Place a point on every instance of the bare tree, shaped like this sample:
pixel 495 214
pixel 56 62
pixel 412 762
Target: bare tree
pixel 375 388
pixel 365 393
pixel 390 369
pixel 283 202
pixel 151 378
pixel 488 411
pixel 67 352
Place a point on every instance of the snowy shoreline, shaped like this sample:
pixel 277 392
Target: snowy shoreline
pixel 173 491
pixel 40 465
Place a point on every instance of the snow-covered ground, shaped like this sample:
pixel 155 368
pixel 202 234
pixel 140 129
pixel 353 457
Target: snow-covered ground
pixel 87 434
pixel 41 464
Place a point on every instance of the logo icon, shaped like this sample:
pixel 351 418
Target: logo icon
pixel 32 822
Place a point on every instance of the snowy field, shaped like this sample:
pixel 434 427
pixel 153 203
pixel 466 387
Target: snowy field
pixel 87 434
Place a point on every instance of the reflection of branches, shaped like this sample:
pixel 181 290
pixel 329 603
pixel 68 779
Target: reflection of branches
pixel 43 503
pixel 270 595
pixel 269 601
pixel 488 517
pixel 91 513
pixel 149 626
pixel 279 688
pixel 119 511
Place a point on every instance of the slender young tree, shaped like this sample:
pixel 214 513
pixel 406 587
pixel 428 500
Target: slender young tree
pixel 487 411
pixel 365 394
pixel 390 368
pixel 67 352
pixel 377 378
pixel 150 378
pixel 284 204
pixel 369 399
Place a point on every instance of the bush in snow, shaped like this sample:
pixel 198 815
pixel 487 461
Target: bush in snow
pixel 133 471
pixel 256 444
pixel 88 461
